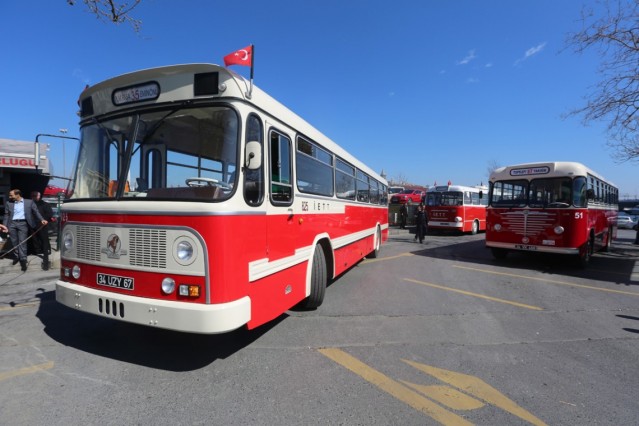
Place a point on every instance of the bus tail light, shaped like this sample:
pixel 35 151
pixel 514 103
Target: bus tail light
pixel 189 290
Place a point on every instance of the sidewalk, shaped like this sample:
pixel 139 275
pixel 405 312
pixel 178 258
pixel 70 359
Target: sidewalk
pixel 34 263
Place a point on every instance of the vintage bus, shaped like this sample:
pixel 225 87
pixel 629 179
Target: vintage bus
pixel 457 207
pixel 201 204
pixel 554 207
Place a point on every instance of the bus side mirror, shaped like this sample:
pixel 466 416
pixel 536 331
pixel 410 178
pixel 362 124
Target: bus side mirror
pixel 253 155
pixel 590 194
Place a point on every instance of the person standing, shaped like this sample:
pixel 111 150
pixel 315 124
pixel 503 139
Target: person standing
pixel 19 214
pixel 403 215
pixel 42 232
pixel 420 223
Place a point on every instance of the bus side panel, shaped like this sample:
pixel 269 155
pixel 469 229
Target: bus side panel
pixel 273 295
pixel 347 256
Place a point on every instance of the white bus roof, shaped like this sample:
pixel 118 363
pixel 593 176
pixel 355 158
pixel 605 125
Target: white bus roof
pixel 457 188
pixel 544 169
pixel 176 83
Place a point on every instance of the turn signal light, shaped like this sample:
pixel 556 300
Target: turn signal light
pixel 189 290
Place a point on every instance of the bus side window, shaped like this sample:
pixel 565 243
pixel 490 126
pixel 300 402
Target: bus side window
pixel 254 179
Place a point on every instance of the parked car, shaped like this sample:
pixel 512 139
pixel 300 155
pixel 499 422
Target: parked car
pixel 408 196
pixel 626 222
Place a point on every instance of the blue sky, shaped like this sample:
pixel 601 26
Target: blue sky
pixel 428 91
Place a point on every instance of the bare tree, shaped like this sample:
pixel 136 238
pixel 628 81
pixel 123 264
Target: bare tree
pixel 491 167
pixel 113 11
pixel 615 98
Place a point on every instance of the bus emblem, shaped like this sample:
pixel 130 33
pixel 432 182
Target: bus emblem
pixel 113 247
pixel 525 240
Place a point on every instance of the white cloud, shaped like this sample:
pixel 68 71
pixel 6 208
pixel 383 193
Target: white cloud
pixel 469 57
pixel 472 80
pixel 531 52
pixel 488 65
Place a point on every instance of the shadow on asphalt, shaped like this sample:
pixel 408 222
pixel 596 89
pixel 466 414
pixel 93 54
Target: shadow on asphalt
pixel 141 345
pixel 616 266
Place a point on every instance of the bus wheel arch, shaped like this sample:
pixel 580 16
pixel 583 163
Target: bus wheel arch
pixel 608 243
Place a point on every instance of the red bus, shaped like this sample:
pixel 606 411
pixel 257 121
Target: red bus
pixel 457 207
pixel 196 206
pixel 555 207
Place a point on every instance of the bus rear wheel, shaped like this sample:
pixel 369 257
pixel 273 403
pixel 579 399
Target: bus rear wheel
pixel 318 279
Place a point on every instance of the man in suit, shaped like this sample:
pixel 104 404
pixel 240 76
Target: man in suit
pixel 19 214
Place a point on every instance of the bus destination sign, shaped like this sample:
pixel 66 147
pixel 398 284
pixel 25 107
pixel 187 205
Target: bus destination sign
pixel 530 171
pixel 138 93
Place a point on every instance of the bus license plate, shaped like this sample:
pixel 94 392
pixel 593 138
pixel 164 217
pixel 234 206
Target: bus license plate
pixel 115 281
pixel 525 247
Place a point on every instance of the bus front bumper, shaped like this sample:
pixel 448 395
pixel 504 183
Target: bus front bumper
pixel 171 315
pixel 530 247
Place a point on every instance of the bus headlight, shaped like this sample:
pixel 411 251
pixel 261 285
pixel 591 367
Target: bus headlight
pixel 184 251
pixel 75 272
pixel 559 230
pixel 168 285
pixel 458 219
pixel 67 240
pixel 497 227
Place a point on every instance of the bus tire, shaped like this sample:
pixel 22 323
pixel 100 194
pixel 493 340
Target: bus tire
pixel 585 253
pixel 499 253
pixel 606 246
pixel 378 243
pixel 475 227
pixel 318 279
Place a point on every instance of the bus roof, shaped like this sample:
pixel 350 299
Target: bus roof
pixel 173 83
pixel 457 188
pixel 544 169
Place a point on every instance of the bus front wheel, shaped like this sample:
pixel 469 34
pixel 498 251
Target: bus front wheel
pixel 585 253
pixel 475 227
pixel 318 279
pixel 378 242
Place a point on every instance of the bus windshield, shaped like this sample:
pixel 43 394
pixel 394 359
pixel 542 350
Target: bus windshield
pixel 450 198
pixel 539 193
pixel 179 153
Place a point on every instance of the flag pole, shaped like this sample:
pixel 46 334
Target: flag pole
pixel 250 92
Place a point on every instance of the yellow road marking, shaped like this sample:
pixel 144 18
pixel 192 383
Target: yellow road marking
pixel 387 258
pixel 548 281
pixel 22 305
pixel 26 370
pixel 481 296
pixel 394 388
pixel 452 398
pixel 478 388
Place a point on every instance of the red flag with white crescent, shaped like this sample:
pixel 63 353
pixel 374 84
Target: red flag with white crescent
pixel 240 57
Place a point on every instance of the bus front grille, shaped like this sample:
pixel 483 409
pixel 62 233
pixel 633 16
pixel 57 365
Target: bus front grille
pixel 528 222
pixel 88 243
pixel 147 248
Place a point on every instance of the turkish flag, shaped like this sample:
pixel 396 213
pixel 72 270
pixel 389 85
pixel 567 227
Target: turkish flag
pixel 240 57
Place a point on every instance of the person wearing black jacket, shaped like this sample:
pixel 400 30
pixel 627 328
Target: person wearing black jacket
pixel 420 223
pixel 42 233
pixel 20 214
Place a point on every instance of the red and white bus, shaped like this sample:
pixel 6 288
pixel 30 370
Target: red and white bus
pixel 457 207
pixel 554 207
pixel 200 206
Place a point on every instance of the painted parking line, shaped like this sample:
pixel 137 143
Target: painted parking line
pixel 394 388
pixel 22 305
pixel 27 370
pixel 365 261
pixel 456 391
pixel 481 296
pixel 546 280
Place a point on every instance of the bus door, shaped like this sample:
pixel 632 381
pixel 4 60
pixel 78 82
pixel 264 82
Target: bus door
pixel 283 231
